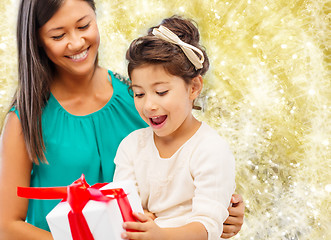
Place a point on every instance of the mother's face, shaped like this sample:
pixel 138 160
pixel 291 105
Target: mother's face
pixel 71 38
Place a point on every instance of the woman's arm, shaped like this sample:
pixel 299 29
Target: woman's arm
pixel 15 170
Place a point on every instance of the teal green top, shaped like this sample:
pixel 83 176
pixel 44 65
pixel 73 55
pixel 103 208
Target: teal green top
pixel 77 145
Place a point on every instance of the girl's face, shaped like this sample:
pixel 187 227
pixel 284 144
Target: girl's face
pixel 71 38
pixel 163 101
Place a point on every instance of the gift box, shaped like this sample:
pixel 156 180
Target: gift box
pixel 89 213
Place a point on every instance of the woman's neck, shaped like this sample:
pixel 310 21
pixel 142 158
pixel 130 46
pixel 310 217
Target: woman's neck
pixel 83 95
pixel 67 85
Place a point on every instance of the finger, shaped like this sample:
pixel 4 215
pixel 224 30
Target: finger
pixel 135 226
pixel 236 200
pixel 237 211
pixel 149 214
pixel 229 229
pixel 231 220
pixel 133 235
pixel 233 228
pixel 236 221
pixel 124 235
pixel 227 235
pixel 140 217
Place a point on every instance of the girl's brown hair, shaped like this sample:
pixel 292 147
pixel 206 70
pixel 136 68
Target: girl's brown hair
pixel 35 71
pixel 152 50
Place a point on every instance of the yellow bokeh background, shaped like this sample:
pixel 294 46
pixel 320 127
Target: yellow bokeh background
pixel 267 92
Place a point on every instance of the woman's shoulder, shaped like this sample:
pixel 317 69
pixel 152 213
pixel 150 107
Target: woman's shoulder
pixel 12 125
pixel 14 110
pixel 121 86
pixel 119 77
pixel 119 80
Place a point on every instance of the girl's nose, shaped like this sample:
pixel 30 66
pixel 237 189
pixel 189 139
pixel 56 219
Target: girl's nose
pixel 150 105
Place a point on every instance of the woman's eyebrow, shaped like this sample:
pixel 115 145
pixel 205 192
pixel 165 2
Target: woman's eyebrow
pixel 59 28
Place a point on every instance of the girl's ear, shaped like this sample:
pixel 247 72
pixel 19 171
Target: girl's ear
pixel 196 87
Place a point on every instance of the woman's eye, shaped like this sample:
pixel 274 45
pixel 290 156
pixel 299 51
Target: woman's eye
pixel 84 27
pixel 162 93
pixel 139 95
pixel 58 37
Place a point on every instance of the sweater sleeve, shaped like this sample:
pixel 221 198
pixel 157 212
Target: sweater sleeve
pixel 124 162
pixel 213 169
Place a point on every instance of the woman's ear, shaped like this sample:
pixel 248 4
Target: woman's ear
pixel 196 87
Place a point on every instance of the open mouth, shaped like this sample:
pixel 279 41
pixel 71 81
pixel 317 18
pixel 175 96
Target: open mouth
pixel 156 121
pixel 79 57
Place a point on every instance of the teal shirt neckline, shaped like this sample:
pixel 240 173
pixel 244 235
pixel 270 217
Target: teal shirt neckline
pixel 110 76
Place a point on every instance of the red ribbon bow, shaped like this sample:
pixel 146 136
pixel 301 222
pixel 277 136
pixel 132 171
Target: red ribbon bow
pixel 77 195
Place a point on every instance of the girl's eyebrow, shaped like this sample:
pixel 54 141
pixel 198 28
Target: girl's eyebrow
pixel 59 28
pixel 154 84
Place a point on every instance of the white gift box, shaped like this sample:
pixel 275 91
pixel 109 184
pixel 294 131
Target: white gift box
pixel 103 218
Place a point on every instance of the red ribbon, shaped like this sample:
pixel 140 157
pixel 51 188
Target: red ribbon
pixel 77 195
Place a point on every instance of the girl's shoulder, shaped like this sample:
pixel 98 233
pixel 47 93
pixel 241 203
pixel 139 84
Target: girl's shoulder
pixel 209 134
pixel 207 139
pixel 138 138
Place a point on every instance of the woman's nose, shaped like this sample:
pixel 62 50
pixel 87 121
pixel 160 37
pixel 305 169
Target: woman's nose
pixel 76 42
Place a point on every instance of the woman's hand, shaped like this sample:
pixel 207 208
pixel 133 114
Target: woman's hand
pixel 233 223
pixel 146 228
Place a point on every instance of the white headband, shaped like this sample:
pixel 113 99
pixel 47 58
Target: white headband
pixel 167 35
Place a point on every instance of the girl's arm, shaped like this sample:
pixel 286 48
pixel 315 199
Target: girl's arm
pixel 123 160
pixel 147 229
pixel 194 230
pixel 15 170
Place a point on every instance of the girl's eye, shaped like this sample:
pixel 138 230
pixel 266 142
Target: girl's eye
pixel 58 37
pixel 139 95
pixel 162 93
pixel 84 27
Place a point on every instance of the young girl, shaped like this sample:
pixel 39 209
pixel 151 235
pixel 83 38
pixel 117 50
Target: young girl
pixel 183 169
pixel 68 116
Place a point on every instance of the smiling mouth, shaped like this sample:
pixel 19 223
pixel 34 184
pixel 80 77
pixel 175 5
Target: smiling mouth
pixel 79 56
pixel 158 120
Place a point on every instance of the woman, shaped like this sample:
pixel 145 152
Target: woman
pixel 68 116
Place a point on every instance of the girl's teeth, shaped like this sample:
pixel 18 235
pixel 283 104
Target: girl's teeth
pixel 158 120
pixel 79 56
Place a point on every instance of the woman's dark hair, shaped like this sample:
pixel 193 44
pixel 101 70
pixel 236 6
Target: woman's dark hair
pixel 35 71
pixel 153 50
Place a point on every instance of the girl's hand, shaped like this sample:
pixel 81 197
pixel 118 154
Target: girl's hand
pixel 149 214
pixel 233 223
pixel 145 229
